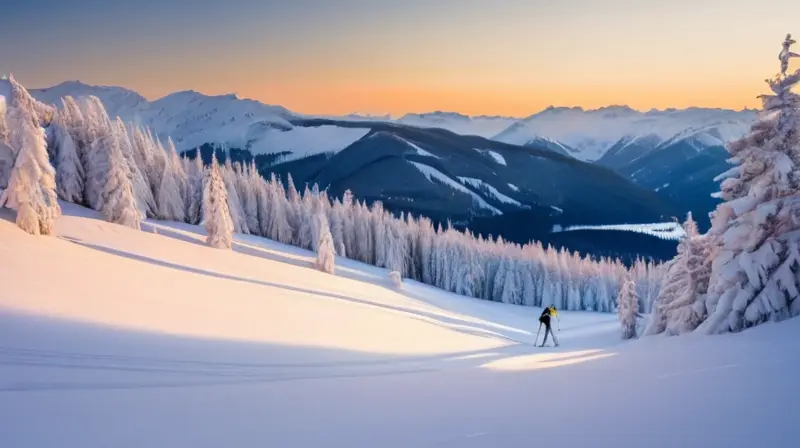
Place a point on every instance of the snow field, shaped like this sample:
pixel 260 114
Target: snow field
pixel 151 338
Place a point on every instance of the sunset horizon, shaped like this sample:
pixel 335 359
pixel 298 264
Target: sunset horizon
pixel 507 57
pixel 541 106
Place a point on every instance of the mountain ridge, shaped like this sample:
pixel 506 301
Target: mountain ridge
pixel 584 133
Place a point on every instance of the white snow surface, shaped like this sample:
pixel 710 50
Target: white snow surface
pixel 116 337
pixel 416 147
pixel 666 230
pixel 513 187
pixel 592 132
pixel 477 183
pixel 432 173
pixel 494 155
pixel 306 141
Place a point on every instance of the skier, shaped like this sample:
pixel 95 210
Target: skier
pixel 547 313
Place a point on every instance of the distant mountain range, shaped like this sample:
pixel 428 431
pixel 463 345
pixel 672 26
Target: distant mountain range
pixel 555 167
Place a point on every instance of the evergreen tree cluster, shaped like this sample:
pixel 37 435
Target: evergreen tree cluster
pixel 746 269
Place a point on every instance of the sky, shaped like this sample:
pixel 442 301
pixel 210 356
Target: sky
pixel 478 57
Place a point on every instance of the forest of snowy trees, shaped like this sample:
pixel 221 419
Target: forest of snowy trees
pixel 128 174
pixel 746 269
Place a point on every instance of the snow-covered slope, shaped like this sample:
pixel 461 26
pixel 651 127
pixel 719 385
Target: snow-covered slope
pixel 592 132
pixel 481 125
pixel 118 101
pixel 113 337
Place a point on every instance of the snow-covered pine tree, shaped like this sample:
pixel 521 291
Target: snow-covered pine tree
pixel 688 311
pixel 96 158
pixel 117 199
pixel 170 201
pixel 76 125
pixel 676 284
pixel 512 290
pixel 395 246
pixel 145 202
pixel 181 176
pixel 216 215
pixel 304 235
pixel 326 254
pixel 69 170
pixel 425 243
pixel 754 273
pixel 247 194
pixel 469 281
pixel 348 225
pixel 31 187
pixel 679 307
pixel 337 218
pixel 279 228
pixel 194 202
pixel 234 203
pixel 261 189
pixel 7 153
pixel 150 156
pixel 379 233
pixel 628 308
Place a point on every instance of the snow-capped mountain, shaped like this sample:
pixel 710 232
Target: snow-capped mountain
pixel 193 119
pixel 592 133
pixel 481 125
pixel 425 170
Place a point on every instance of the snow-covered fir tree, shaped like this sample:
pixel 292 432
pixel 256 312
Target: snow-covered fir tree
pixel 117 199
pixel 279 228
pixel 31 189
pixel 628 309
pixel 680 305
pixel 326 254
pixel 181 176
pixel 247 194
pixel 7 153
pixel 76 125
pixel 170 199
pixel 69 170
pixel 96 158
pixel 216 214
pixel 260 188
pixel 754 273
pixel 194 201
pixel 234 203
pixel 145 202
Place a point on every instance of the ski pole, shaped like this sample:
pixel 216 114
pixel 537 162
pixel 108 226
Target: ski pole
pixel 536 341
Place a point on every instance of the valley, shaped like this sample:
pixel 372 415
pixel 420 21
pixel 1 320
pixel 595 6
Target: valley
pixel 494 175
